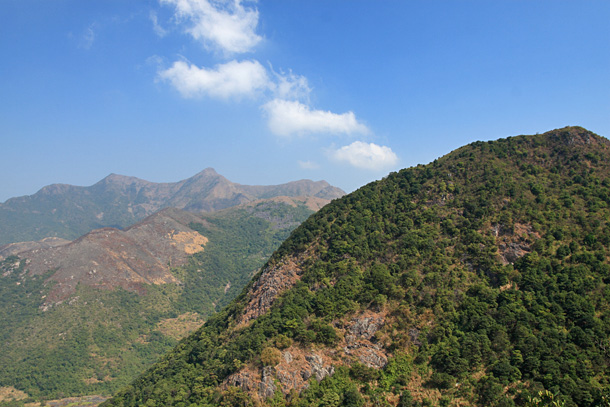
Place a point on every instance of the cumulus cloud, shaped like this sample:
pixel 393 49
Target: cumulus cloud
pixel 287 118
pixel 224 25
pixel 233 79
pixel 368 156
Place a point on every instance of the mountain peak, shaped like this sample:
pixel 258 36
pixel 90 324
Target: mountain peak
pixel 118 179
pixel 206 172
pixel 576 136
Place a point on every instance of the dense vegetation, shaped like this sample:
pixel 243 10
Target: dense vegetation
pixel 491 265
pixel 99 340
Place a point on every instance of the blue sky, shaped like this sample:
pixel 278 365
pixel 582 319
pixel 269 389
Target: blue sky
pixel 273 91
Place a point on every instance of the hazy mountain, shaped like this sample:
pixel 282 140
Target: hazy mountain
pixel 118 201
pixel 477 280
pixel 85 317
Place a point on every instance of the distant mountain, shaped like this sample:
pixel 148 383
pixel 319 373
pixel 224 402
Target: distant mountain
pixel 118 201
pixel 480 279
pixel 85 317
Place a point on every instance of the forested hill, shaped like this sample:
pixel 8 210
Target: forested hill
pixel 479 279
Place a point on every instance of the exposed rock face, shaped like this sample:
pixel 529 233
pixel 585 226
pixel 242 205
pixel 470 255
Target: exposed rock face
pixel 364 328
pixel 293 372
pixel 578 136
pixel 510 252
pixel 274 280
pixel 245 380
pixel 359 340
pixel 267 385
pixel 318 370
pixel 514 242
pixel 299 365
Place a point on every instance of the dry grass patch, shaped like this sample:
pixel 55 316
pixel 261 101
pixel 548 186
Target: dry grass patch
pixel 180 326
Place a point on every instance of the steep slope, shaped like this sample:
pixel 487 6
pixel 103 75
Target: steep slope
pixel 85 317
pixel 118 201
pixel 479 279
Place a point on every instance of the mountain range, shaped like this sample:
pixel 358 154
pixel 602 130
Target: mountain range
pixel 117 201
pixel 480 279
pixel 86 316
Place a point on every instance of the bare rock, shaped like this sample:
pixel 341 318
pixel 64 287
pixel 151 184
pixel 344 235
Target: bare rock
pixel 318 370
pixel 365 328
pixel 373 358
pixel 287 356
pixel 243 380
pixel 273 281
pixel 266 387
pixel 510 252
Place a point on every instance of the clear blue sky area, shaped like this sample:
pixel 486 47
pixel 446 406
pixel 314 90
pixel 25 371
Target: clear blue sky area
pixel 273 91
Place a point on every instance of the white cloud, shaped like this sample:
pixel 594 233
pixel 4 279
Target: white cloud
pixel 88 37
pixel 233 79
pixel 160 31
pixel 308 165
pixel 223 25
pixel 287 118
pixel 291 86
pixel 369 156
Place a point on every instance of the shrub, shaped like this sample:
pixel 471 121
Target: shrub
pixel 271 356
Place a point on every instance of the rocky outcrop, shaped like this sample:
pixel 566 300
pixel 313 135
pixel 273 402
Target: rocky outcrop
pixel 360 342
pixel 245 380
pixel 513 241
pixel 273 281
pixel 267 387
pixel 578 136
pixel 510 252
pixel 294 371
pixel 298 366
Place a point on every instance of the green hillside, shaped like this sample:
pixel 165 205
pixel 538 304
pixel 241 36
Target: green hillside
pixel 479 279
pixel 99 340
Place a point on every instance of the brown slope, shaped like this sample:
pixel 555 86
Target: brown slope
pixel 109 258
pixel 13 249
